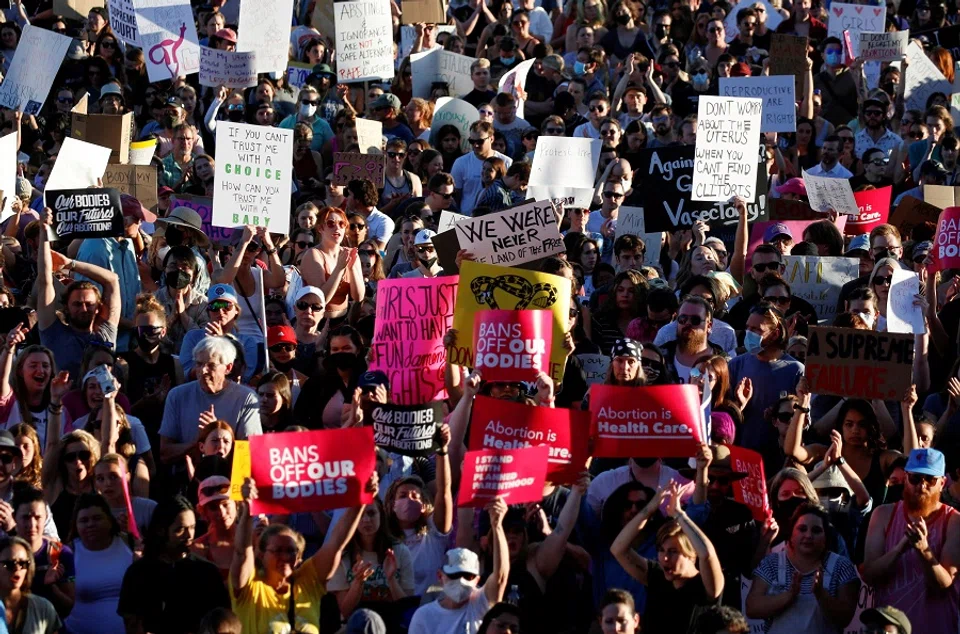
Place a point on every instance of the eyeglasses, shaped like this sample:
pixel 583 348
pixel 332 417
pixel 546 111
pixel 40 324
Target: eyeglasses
pixel 12 565
pixel 216 489
pixel 917 478
pixel 553 131
pixel 783 301
pixel 303 244
pixel 873 113
pixel 357 226
pixel 394 155
pixel 283 347
pixel 613 195
pixel 336 224
pixel 715 29
pixel 7 458
pixel 693 320
pixel 72 456
pixel 310 102
pixel 219 306
pixel 598 108
pixel 426 249
pixel 769 266
pixel 316 308
pixel 883 280
pixel 479 142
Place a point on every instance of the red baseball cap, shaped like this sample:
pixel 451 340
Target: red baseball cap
pixel 280 334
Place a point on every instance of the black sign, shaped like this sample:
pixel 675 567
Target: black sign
pixel 86 213
pixel 662 181
pixel 948 37
pixel 408 430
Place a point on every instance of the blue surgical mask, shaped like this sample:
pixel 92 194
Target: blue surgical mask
pixel 752 341
pixel 579 68
pixel 506 61
pixel 701 81
pixel 834 58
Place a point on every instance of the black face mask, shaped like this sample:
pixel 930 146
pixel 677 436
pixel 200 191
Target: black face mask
pixel 645 463
pixel 178 280
pixel 662 31
pixel 889 88
pixel 235 115
pixel 786 509
pixel 623 19
pixel 893 494
pixel 342 361
pixel 653 370
pixel 173 236
pixel 147 342
pixel 170 120
pixel 428 263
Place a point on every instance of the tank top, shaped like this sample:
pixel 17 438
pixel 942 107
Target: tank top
pixel 389 189
pixel 875 483
pixel 251 321
pixel 338 303
pixel 906 588
pixel 145 377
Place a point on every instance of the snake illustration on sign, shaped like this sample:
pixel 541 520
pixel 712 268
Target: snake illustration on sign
pixel 526 292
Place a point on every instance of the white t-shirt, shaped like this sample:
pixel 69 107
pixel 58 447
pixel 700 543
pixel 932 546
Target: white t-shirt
pixel 429 554
pixel 586 131
pixel 467 178
pixel 683 371
pixel 433 618
pixel 379 226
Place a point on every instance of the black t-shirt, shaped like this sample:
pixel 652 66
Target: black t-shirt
pixel 673 610
pixel 861 179
pixel 686 100
pixel 477 98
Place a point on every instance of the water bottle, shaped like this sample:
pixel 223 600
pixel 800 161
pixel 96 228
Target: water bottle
pixel 513 597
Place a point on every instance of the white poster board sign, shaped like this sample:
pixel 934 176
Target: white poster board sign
pixel 884 47
pixel 79 164
pixel 778 94
pixel 923 78
pixel 123 21
pixel 513 236
pixel 825 193
pixel 253 177
pixel 630 222
pixel 902 314
pixel 455 112
pixel 169 36
pixel 364 40
pixel 595 367
pixel 517 77
pixel 855 18
pixel 818 280
pixel 564 167
pixel 408 36
pixel 227 68
pixel 264 28
pixel 39 55
pixel 728 134
pixel 440 65
pixel 369 135
pixel 448 219
pixel 8 172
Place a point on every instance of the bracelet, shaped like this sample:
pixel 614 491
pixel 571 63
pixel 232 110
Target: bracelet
pixel 55 410
pixel 801 409
pixel 270 251
pixel 441 452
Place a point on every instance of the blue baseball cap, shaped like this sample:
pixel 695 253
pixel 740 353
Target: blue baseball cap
pixel 222 291
pixel 859 242
pixel 373 378
pixel 927 462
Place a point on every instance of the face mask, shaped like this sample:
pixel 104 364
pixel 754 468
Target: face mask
pixel 170 120
pixel 888 88
pixel 307 109
pixel 626 184
pixel 701 81
pixel 662 31
pixel 408 510
pixel 147 342
pixel 645 463
pixel 623 18
pixel 428 264
pixel 235 115
pixel 174 236
pixel 340 361
pixel 786 508
pixel 579 68
pixel 869 318
pixel 752 341
pixel 506 61
pixel 177 279
pixel 653 370
pixel 457 590
pixel 834 58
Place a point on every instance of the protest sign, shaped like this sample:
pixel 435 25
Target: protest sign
pixel 79 164
pixel 240 470
pixel 297 73
pixel 595 367
pixel 512 345
pixel 564 167
pixel 412 315
pixel 369 135
pixel 662 421
pixel 752 490
pixel 859 363
pixel 874 208
pixel 513 236
pixel 664 176
pixel 499 424
pixel 264 28
pixel 348 166
pixel 408 36
pixel 728 133
pixel 941 196
pixel 788 56
pixel 783 209
pixel 364 40
pixel 630 221
pixel 141 152
pixel 514 80
pixel 123 21
pixel 855 19
pixel 107 130
pixel 516 475
pixel 425 11
pixel 8 172
pixel 827 193
pixel 85 213
pixel 439 65
pixel 27 83
pixel 252 181
pixel 779 111
pixel 227 68
pixel 204 208
pixel 77 10
pixel 448 219
pixel 455 112
pixel 818 280
pixel 407 430
pixel 730 22
pixel 305 471
pixel 486 286
pixel 946 248
pixel 903 315
pixel 884 47
pixel 140 181
pixel 912 212
pixel 923 78
pixel 169 37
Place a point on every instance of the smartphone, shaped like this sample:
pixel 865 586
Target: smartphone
pixel 108 384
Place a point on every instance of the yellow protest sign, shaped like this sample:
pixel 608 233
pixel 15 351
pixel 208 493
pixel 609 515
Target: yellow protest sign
pixel 241 468
pixel 487 287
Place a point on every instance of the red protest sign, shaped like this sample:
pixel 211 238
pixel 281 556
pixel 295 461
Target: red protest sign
pixel 752 490
pixel 946 249
pixel 661 421
pixel 516 475
pixel 499 424
pixel 874 206
pixel 312 470
pixel 512 345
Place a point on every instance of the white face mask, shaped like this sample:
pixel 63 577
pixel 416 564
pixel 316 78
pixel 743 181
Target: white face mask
pixel 457 590
pixel 308 109
pixel 870 318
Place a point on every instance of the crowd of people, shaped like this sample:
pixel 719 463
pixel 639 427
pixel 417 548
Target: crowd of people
pixel 132 364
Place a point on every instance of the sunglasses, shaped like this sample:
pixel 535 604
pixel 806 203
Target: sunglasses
pixel 598 108
pixel 303 244
pixel 530 137
pixel 414 152
pixel 396 154
pixel 216 489
pixel 7 458
pixel 149 330
pixel 873 113
pixel 478 142
pixel 613 195
pixel 444 196
pixel 608 133
pixel 12 565
pixel 317 308
pixel 783 301
pixel 426 249
pixel 219 306
pixel 879 162
pixel 916 478
pixel 72 456
pixel 693 320
pixel 366 253
pixel 883 280
pixel 469 576
pixel 283 347
pixel 336 224
pixel 254 247
pixel 310 102
pixel 106 44
pixel 715 29
pixel 769 266
pixel 357 226
pixel 554 131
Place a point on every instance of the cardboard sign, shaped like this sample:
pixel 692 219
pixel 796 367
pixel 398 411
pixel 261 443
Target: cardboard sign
pixel 783 209
pixel 855 19
pixel 788 56
pixel 106 130
pixel 818 280
pixel 516 475
pixel 884 47
pixel 630 221
pixel 946 248
pixel 874 209
pixel 662 187
pixel 140 181
pixel 27 83
pixel 859 363
pixel 827 193
pixel 512 345
pixel 923 78
pixel 485 287
pixel 412 315
pixel 728 132
pixel 364 41
pixel 252 182
pixel 79 164
pixel 85 213
pixel 305 471
pixel 912 212
pixel 564 167
pixel 240 470
pixel 348 166
pixel 297 73
pixel 369 135
pixel 499 425
pixel 662 421
pixel 455 112
pixel 428 11
pixel 77 10
pixel 941 196
pixel 204 207
pixel 752 490
pixel 513 236
pixel 264 28
pixel 902 314
pixel 227 68
pixel 778 94
pixel 439 65
pixel 408 430
pixel 595 367
pixel 123 21
pixel 169 37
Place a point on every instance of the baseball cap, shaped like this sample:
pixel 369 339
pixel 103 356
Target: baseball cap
pixel 873 101
pixel 222 291
pixel 310 290
pixel 793 186
pixel 460 560
pixel 859 242
pixel 373 378
pixel 886 615
pixel 553 62
pixel 111 89
pixel 213 489
pixel 778 229
pixel 164 191
pixel 922 247
pixel 173 102
pixel 227 34
pixel 933 168
pixel 280 334
pixel 424 236
pixel 7 441
pixel 927 462
pixel 132 208
pixel 386 100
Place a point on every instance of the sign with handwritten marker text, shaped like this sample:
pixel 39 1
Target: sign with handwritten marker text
pixel 728 133
pixel 348 166
pixel 364 40
pixel 169 36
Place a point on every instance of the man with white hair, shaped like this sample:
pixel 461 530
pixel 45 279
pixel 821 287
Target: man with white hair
pixel 211 397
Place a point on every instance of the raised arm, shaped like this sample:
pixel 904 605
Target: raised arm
pixel 108 281
pixel 276 277
pixel 232 267
pixel 911 440
pixel 792 445
pixel 550 552
pixel 14 338
pixel 622 547
pixel 327 558
pixel 496 583
pixel 443 508
pixel 832 457
pixel 702 478
pixel 109 433
pixel 242 566
pixel 46 295
pixel 460 419
pixel 710 568
pixel 738 261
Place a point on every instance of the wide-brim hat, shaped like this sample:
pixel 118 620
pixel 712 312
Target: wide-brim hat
pixel 187 219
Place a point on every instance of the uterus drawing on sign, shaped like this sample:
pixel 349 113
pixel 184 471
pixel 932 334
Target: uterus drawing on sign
pixel 167 53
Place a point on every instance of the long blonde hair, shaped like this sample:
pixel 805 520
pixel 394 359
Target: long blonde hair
pixel 53 474
pixel 29 473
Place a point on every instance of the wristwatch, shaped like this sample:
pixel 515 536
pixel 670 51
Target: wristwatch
pixel 801 408
pixel 840 461
pixel 271 251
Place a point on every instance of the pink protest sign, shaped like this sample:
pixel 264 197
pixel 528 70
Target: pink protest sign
pixel 946 249
pixel 751 490
pixel 512 345
pixel 874 206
